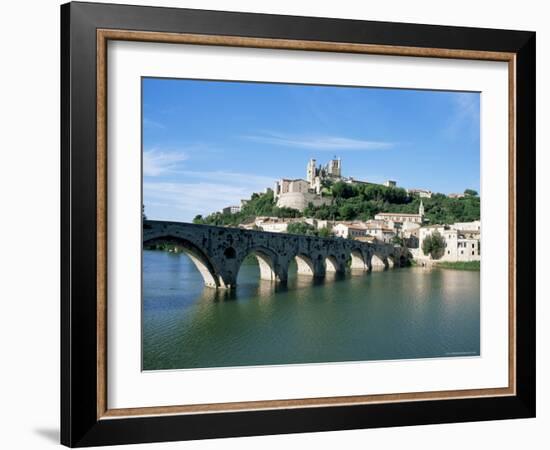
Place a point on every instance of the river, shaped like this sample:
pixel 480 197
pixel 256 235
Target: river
pixel 400 313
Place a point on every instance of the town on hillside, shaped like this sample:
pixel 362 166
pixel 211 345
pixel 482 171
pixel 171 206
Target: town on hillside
pixel 328 204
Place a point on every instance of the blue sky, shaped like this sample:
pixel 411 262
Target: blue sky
pixel 207 144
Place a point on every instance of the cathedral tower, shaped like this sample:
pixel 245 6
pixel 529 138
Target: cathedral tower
pixel 335 167
pixel 311 169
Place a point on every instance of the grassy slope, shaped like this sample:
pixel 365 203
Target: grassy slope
pixel 460 265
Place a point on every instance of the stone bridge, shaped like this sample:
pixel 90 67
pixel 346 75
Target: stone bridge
pixel 218 252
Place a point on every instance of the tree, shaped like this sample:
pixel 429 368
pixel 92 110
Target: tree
pixel 301 228
pixel 342 190
pixel 434 245
pixel 347 211
pixel 357 201
pixel 198 219
pixel 324 232
pixel 397 240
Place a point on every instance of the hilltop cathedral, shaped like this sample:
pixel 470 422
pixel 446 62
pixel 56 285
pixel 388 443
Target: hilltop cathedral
pixel 316 175
pixel 298 193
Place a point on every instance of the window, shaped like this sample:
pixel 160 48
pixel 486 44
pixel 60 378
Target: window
pixel 473 252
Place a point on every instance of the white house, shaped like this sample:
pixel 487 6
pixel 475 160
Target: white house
pixel 231 210
pixel 422 193
pixel 396 220
pixel 349 230
pixel 460 244
pixel 382 233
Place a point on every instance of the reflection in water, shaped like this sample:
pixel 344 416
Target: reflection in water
pixel 392 314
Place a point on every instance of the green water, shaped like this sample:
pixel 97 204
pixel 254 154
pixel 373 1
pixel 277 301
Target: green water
pixel 395 314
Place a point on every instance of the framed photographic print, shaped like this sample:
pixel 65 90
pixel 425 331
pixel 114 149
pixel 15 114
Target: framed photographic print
pixel 277 224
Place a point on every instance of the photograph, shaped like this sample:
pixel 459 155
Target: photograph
pixel 271 223
pixel 308 224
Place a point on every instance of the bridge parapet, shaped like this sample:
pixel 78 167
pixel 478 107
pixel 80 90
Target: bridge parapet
pixel 218 252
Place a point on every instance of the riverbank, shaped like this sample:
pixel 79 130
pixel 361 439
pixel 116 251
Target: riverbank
pixel 459 265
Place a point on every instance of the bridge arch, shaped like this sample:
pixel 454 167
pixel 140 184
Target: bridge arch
pixel 218 252
pixel 195 254
pixel 304 265
pixel 378 262
pixel 390 261
pixel 266 261
pixel 332 264
pixel 358 261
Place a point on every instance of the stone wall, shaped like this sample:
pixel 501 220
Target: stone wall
pixel 300 200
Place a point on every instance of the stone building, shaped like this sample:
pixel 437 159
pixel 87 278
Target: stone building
pixel 280 224
pixel 372 229
pixel 231 209
pixel 349 230
pixel 299 193
pixel 273 224
pixel 381 232
pixel 285 186
pixel 468 226
pixel 423 193
pixel 300 200
pixel 332 172
pixel 410 232
pixel 396 220
pixel 462 241
pixel 315 175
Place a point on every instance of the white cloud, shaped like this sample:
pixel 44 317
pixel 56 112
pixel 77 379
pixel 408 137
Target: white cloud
pixel 178 193
pixel 319 142
pixel 465 116
pixel 230 177
pixel 467 103
pixel 153 124
pixel 156 162
pixel 182 201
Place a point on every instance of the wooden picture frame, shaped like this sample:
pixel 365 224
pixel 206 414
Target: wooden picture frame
pixel 86 418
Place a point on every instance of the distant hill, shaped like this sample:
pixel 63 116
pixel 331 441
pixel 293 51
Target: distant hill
pixel 358 202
